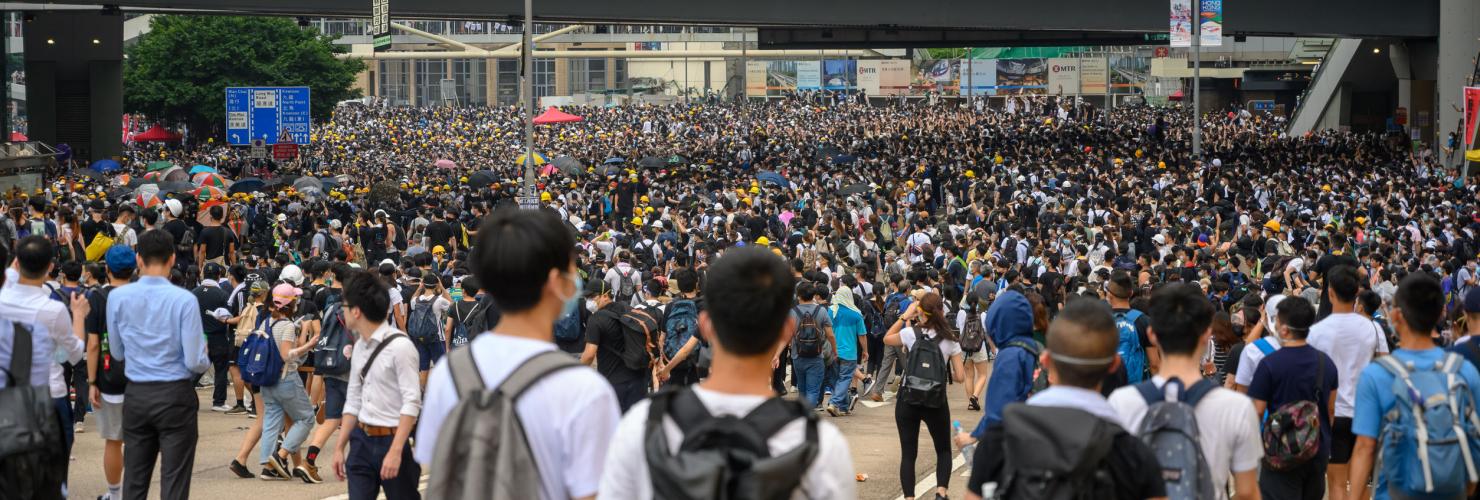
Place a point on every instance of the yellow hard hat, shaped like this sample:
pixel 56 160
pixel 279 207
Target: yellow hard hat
pixel 1326 188
pixel 1272 225
pixel 763 241
pixel 545 196
pixel 970 174
pixel 1138 153
pixel 909 183
pixel 644 198
pixel 754 190
pixel 637 221
pixel 1161 164
pixel 438 249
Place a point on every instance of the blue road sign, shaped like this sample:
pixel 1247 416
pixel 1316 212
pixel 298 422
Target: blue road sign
pixel 273 114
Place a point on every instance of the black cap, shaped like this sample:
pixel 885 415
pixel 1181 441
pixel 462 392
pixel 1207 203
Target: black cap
pixel 597 288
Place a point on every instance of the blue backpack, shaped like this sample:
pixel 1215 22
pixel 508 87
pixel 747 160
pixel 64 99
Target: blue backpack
pixel 1430 436
pixel 329 355
pixel 568 327
pixel 680 325
pixel 1129 347
pixel 422 325
pixel 259 360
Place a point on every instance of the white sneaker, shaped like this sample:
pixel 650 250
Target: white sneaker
pixel 79 428
pixel 221 408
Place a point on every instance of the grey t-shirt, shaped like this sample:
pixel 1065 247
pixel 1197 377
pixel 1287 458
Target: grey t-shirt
pixel 284 330
pixel 821 315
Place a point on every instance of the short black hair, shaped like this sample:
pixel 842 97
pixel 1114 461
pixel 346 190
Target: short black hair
pixel 1085 329
pixel 748 295
pixel 1370 301
pixel 365 291
pixel 1421 300
pixel 470 286
pixel 688 280
pixel 1297 315
pixel 516 250
pixel 71 270
pixel 155 246
pixel 34 253
pixel 1342 282
pixel 1180 314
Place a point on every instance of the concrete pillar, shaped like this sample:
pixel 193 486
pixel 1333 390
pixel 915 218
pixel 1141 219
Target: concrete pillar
pixel 490 79
pixel 1459 44
pixel 1403 70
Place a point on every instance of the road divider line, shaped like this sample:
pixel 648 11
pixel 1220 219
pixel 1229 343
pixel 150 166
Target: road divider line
pixel 926 487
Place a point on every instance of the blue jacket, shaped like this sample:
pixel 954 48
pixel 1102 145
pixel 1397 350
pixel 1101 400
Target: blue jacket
pixel 1009 318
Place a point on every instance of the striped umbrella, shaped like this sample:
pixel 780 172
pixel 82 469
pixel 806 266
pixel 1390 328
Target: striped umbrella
pixel 208 193
pixel 147 199
pixel 155 176
pixel 210 179
pixel 539 159
pixel 159 165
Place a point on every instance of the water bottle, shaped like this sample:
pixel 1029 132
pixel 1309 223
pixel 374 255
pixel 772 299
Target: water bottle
pixel 967 452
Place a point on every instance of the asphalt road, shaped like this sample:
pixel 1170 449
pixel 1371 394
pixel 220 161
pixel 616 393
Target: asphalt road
pixel 872 436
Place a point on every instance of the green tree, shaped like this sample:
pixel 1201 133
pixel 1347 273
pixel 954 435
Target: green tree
pixel 178 71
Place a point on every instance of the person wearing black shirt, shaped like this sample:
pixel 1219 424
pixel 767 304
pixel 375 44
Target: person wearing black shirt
pixel 604 345
pixel 439 232
pixel 1326 263
pixel 211 297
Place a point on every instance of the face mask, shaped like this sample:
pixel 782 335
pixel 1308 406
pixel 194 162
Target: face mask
pixel 590 305
pixel 570 303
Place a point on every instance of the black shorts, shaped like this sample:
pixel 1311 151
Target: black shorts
pixel 235 350
pixel 1342 440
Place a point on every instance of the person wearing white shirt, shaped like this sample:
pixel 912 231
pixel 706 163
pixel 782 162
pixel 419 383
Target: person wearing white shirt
pixel 383 399
pixel 1352 341
pixel 747 321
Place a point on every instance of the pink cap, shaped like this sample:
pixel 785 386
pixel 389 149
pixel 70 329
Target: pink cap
pixel 284 294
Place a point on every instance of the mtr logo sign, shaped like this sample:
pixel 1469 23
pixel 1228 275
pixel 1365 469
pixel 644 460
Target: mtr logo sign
pixel 1061 68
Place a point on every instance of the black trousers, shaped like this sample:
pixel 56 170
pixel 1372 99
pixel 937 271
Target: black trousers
pixel 907 419
pixel 630 392
pixel 159 420
pixel 221 373
pixel 1306 482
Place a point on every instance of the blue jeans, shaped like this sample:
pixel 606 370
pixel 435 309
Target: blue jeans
pixel 362 468
pixel 285 398
pixel 843 381
pixel 808 372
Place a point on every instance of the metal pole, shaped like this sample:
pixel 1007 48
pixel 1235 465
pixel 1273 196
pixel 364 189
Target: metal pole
pixel 970 79
pixel 1196 80
pixel 526 92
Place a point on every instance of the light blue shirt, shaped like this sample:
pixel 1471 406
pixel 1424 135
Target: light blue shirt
pixel 847 329
pixel 41 349
pixel 157 325
pixel 1375 398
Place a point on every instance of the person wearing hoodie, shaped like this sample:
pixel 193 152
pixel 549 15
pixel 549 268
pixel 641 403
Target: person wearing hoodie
pixel 1010 326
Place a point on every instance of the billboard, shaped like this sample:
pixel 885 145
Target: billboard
pixel 1128 73
pixel 1212 22
pixel 894 77
pixel 267 113
pixel 1180 30
pixel 809 75
pixel 755 78
pixel 1472 107
pixel 1093 76
pixel 840 74
pixel 781 77
pixel 981 77
pixel 1022 76
pixel 936 75
pixel 1063 76
pixel 868 76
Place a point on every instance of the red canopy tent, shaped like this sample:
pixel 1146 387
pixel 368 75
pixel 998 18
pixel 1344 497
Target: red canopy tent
pixel 156 134
pixel 552 115
pixel 1177 96
pixel 18 137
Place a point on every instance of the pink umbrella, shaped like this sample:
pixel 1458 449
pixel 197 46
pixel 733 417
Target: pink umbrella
pixel 552 115
pixel 445 163
pixel 548 170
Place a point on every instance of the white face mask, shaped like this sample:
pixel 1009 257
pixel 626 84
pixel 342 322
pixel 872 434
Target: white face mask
pixel 590 305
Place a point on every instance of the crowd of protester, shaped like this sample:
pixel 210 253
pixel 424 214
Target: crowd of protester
pixel 735 271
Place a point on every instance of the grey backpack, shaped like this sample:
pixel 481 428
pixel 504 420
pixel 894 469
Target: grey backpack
pixel 482 451
pixel 724 457
pixel 1170 429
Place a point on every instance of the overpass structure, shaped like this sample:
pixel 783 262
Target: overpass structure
pixel 1428 46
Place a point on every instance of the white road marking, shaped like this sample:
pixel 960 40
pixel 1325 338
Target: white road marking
pixel 926 487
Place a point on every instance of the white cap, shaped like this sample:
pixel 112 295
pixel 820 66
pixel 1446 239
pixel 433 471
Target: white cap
pixel 1271 306
pixel 334 223
pixel 388 261
pixel 174 207
pixel 282 217
pixel 292 274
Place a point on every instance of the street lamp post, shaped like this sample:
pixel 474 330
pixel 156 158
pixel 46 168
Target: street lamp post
pixel 1196 80
pixel 528 198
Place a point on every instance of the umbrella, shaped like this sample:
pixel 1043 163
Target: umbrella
pixel 106 166
pixel 174 174
pixel 773 178
pixel 88 173
pixel 176 187
pixel 844 159
pixel 548 170
pixel 329 181
pixel 247 185
pixel 210 179
pixel 147 199
pixel 136 182
pixel 275 182
pixel 119 193
pixel 613 170
pixel 307 183
pixel 201 169
pixel 859 188
pixel 208 193
pixel 158 165
pixel 615 160
pixel 539 159
pixel 567 164
pixel 552 115
pixel 446 163
pixel 482 178
pixel 151 177
pixel 676 159
pixel 146 188
pixel 651 162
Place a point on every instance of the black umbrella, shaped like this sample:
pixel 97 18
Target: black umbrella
pixel 176 187
pixel 482 178
pixel 272 183
pixel 308 183
pixel 120 192
pixel 138 181
pixel 568 165
pixel 247 185
pixel 856 189
pixel 88 173
pixel 651 162
pixel 329 181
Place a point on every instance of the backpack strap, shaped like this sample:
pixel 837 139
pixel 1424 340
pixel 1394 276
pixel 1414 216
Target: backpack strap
pixel 1028 345
pixel 1264 345
pixel 1193 395
pixel 19 373
pixel 466 378
pixel 534 369
pixel 364 371
pixel 1150 392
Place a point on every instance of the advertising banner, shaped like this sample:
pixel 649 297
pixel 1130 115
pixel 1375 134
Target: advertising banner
pixel 1128 73
pixel 894 77
pixel 934 75
pixel 840 75
pixel 781 77
pixel 868 76
pixel 979 77
pixel 1063 76
pixel 755 78
pixel 1180 32
pixel 1212 22
pixel 1093 75
pixel 1022 76
pixel 809 75
pixel 1472 108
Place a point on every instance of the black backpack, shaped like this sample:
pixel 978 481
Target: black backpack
pixel 725 457
pixel 1054 453
pixel 809 335
pixel 973 333
pixel 925 373
pixel 111 377
pixel 639 337
pixel 329 355
pixel 32 457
